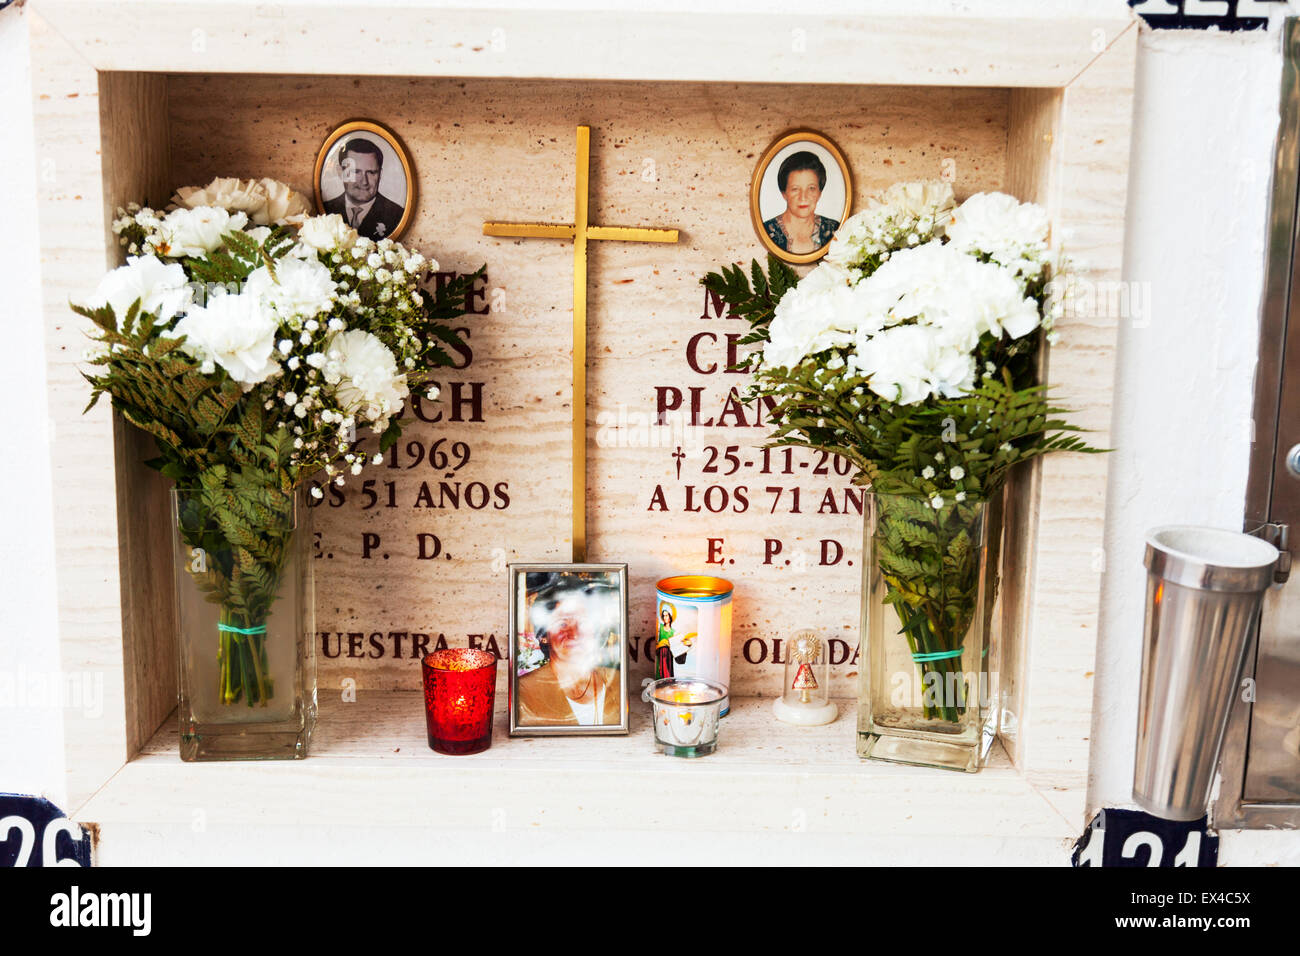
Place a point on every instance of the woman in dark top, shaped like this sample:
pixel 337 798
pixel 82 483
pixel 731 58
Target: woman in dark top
pixel 799 230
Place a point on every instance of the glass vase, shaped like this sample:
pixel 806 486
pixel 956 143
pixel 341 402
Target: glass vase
pixel 246 616
pixel 929 669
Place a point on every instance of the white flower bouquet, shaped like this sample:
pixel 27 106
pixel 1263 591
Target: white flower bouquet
pixel 255 343
pixel 912 351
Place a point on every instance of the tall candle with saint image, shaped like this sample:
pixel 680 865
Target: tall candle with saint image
pixel 693 628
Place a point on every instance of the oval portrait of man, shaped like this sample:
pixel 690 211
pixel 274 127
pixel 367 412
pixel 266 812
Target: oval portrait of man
pixel 364 174
pixel 800 194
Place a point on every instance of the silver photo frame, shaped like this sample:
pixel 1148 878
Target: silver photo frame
pixel 583 609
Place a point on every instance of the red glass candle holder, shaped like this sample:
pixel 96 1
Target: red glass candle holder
pixel 459 691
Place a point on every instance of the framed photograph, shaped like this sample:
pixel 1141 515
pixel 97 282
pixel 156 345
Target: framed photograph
pixel 568 649
pixel 800 194
pixel 363 173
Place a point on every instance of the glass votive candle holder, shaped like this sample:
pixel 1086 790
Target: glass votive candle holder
pixel 686 714
pixel 459 693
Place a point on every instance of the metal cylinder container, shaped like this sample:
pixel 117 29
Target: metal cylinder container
pixel 1204 588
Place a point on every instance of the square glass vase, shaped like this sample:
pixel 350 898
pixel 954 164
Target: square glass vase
pixel 929 689
pixel 246 613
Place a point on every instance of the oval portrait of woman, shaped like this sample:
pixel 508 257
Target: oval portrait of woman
pixel 364 174
pixel 800 194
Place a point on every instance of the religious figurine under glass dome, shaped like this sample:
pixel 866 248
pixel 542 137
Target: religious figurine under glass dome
pixel 805 697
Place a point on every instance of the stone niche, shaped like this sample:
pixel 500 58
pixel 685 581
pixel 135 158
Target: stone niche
pixel 412 550
pixel 415 550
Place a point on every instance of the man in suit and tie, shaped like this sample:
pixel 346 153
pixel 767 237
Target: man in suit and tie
pixel 361 204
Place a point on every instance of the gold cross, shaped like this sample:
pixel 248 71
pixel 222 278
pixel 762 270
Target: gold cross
pixel 579 231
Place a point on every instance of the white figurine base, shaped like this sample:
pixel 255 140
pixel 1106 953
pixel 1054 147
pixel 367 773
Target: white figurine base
pixel 805 715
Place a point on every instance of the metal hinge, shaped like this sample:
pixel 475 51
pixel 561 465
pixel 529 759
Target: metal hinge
pixel 1277 535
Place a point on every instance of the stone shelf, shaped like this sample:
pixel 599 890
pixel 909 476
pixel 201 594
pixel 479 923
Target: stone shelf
pixel 769 794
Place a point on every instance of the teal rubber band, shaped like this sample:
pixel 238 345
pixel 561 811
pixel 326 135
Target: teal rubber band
pixel 937 656
pixel 261 629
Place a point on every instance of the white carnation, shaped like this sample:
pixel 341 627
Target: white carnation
pixel 327 233
pixel 161 288
pixel 1009 232
pixel 820 312
pixel 224 192
pixel 364 374
pixel 300 287
pixel 196 232
pixel 283 205
pixel 236 332
pixel 264 201
pixel 938 285
pixel 909 363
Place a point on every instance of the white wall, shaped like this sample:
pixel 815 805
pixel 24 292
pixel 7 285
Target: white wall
pixel 1205 120
pixel 31 726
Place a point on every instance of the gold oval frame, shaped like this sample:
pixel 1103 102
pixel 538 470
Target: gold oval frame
pixel 756 184
pixel 408 168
